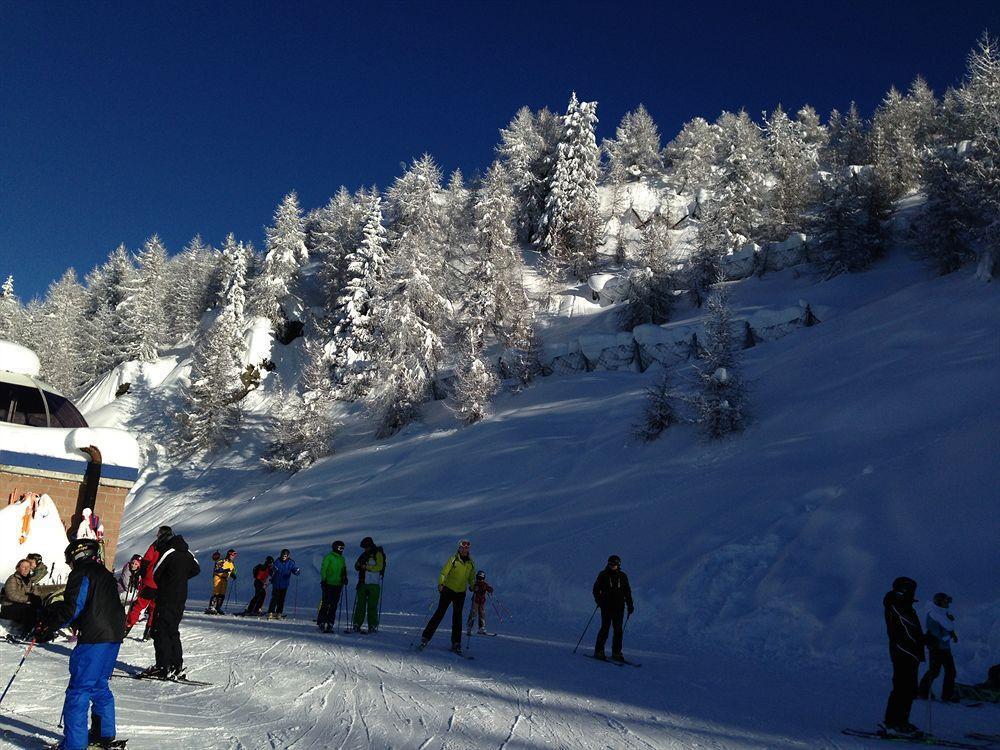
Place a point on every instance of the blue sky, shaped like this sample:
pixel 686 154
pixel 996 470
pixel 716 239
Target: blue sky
pixel 118 120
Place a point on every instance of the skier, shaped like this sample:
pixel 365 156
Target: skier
pixel 906 649
pixel 261 575
pixel 479 591
pixel 457 574
pixel 940 634
pixel 613 595
pixel 333 578
pixel 282 571
pixel 128 579
pixel 370 561
pixel 146 599
pixel 225 569
pixel 175 566
pixel 19 602
pixel 91 604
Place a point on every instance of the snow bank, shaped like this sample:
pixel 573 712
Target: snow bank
pixel 19 359
pixel 46 535
pixel 117 447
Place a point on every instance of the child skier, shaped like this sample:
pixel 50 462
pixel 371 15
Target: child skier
pixel 225 569
pixel 281 576
pixel 940 634
pixel 479 591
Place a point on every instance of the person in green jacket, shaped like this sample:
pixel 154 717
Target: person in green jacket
pixel 370 563
pixel 457 576
pixel 332 579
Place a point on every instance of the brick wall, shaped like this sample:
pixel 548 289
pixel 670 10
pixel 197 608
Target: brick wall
pixel 67 495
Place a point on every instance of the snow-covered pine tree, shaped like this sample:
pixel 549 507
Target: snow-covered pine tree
pixel 925 112
pixel 635 150
pixel 893 151
pixel 335 231
pixel 457 228
pixel 691 156
pixel 110 288
pixel 661 409
pixel 704 267
pixel 143 307
pixel 190 274
pixel 304 424
pixel 528 148
pixel 943 239
pixel 793 164
pixel 722 400
pixel 13 320
pixel 475 382
pixel 365 282
pixel 286 254
pixel 234 281
pixel 652 284
pixel 814 134
pixel 846 226
pixel 848 144
pixel 571 224
pixel 741 192
pixel 57 333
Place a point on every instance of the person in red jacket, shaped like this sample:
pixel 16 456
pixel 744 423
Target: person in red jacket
pixel 479 591
pixel 146 598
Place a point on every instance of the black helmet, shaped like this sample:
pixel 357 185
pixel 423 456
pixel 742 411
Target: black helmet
pixel 615 560
pixel 905 586
pixel 338 545
pixel 941 599
pixel 285 552
pixel 481 574
pixel 164 533
pixel 269 559
pixel 367 542
pixel 82 549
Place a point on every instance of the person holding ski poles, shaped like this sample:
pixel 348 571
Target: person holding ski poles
pixel 332 579
pixel 282 571
pixel 613 595
pixel 479 591
pixel 458 574
pixel 261 575
pixel 92 605
pixel 370 561
pixel 225 569
pixel 146 598
pixel 906 649
pixel 128 579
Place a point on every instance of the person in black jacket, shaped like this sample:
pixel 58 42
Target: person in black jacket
pixel 92 605
pixel 906 649
pixel 174 567
pixel 612 594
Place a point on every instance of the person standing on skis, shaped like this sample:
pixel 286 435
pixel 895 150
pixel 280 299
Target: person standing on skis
pixel 92 606
pixel 457 575
pixel 128 579
pixel 906 649
pixel 613 595
pixel 225 569
pixel 146 598
pixel 940 635
pixel 479 591
pixel 261 575
pixel 282 571
pixel 370 563
pixel 175 566
pixel 332 579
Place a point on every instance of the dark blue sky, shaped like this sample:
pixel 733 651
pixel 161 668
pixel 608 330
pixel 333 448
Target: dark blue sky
pixel 121 119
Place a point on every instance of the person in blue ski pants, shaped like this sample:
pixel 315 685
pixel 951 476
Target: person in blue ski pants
pixel 91 603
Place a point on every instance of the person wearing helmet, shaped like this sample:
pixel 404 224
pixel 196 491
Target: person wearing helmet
pixel 261 575
pixel 174 567
pixel 479 591
pixel 370 563
pixel 906 650
pixel 145 600
pixel 92 605
pixel 224 569
pixel 940 624
pixel 282 571
pixel 332 579
pixel 457 575
pixel 613 595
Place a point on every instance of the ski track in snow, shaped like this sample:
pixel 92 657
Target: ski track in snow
pixel 285 686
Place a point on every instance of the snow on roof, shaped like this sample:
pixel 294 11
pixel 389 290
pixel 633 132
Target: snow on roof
pixel 118 448
pixel 19 359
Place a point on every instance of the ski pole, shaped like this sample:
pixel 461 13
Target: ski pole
pixel 586 628
pixel 295 597
pixel 381 596
pixel 31 645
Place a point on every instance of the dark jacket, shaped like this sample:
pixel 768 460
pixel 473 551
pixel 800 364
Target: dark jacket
pixel 91 604
pixel 906 637
pixel 611 589
pixel 174 567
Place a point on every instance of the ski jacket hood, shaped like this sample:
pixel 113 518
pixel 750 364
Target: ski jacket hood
pixel 906 638
pixel 457 574
pixel 940 628
pixel 91 604
pixel 282 572
pixel 334 569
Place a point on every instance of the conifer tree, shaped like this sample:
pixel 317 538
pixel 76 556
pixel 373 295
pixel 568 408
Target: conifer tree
pixel 286 254
pixel 722 400
pixel 980 101
pixel 570 224
pixel 944 227
pixel 475 382
pixel 528 147
pixel 793 164
pixel 651 286
pixel 191 277
pixel 704 267
pixel 144 303
pixel 13 321
pixel 661 409
pixel 846 228
pixel 57 333
pixel 741 192
pixel 691 156
pixel 893 151
pixel 635 150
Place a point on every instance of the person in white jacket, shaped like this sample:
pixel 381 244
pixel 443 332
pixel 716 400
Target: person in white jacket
pixel 940 635
pixel 87 529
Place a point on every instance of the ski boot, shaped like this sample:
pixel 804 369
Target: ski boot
pixel 456 648
pixel 153 673
pixel 599 654
pixel 423 644
pixel 179 674
pixel 482 631
pixel 620 658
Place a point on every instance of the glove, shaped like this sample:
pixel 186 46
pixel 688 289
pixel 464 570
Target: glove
pixel 42 633
pixel 954 637
pixel 440 587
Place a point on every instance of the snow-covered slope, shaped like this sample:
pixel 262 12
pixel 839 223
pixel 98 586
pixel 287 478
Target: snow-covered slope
pixel 871 454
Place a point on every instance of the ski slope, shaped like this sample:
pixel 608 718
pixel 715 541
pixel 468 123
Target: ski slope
pixel 284 685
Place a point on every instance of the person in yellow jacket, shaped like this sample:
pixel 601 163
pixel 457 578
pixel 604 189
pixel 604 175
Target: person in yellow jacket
pixel 457 576
pixel 371 570
pixel 223 571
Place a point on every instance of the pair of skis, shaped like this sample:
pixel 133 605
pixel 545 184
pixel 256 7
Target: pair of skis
pixel 113 745
pixel 150 678
pixel 922 738
pixel 460 654
pixel 614 662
